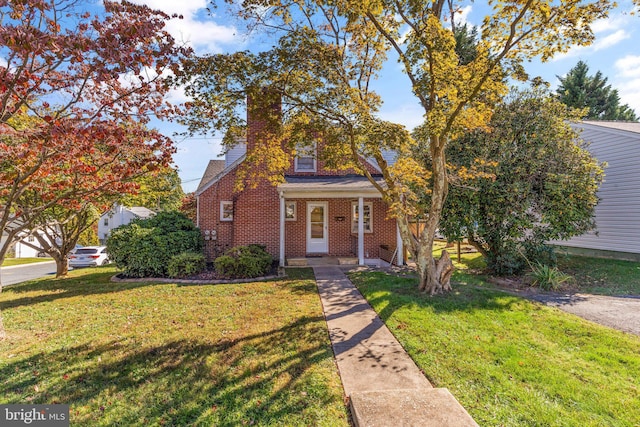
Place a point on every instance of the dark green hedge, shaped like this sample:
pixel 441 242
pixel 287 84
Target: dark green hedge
pixel 145 247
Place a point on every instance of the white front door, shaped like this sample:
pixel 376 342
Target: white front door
pixel 317 241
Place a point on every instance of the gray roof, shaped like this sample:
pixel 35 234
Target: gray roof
pixel 141 212
pixel 625 126
pixel 214 168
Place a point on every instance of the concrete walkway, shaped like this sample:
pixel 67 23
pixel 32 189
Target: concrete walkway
pixel 383 384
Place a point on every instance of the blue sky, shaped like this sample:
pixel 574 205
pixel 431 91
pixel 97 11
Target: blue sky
pixel 615 52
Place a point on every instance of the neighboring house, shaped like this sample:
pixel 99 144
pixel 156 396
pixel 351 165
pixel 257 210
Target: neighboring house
pixel 313 213
pixel 22 250
pixel 618 212
pixel 117 216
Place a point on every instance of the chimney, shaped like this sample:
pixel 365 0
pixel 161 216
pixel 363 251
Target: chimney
pixel 264 115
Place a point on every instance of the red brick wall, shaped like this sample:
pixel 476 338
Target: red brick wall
pixel 257 210
pixel 209 215
pixel 341 241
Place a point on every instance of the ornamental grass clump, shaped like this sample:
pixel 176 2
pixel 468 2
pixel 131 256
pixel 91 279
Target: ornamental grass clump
pixel 547 277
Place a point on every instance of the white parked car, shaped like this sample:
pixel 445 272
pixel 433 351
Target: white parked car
pixel 89 256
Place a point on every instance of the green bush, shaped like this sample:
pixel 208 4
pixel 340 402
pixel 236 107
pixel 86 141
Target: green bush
pixel 244 262
pixel 507 262
pixel 144 247
pixel 186 264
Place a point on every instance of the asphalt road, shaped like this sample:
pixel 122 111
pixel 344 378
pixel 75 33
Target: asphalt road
pixel 621 313
pixel 21 273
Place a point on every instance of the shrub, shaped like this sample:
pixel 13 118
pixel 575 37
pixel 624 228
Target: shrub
pixel 506 262
pixel 244 262
pixel 186 264
pixel 144 247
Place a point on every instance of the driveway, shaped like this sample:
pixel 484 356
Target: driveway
pixel 21 273
pixel 621 313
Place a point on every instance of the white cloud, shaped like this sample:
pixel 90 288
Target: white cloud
pixel 608 32
pixel 197 28
pixel 628 66
pixel 462 16
pixel 628 81
pixel 610 40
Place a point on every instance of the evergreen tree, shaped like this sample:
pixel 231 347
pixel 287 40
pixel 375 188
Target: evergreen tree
pixel 579 90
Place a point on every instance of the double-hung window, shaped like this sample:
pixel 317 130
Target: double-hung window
pixel 305 160
pixel 226 210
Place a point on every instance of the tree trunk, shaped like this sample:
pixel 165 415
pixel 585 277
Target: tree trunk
pixel 429 279
pixel 3 333
pixel 62 265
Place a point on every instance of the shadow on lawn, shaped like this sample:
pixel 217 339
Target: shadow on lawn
pixel 260 379
pixel 392 292
pixel 56 288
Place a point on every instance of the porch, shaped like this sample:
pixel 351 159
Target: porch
pixel 338 220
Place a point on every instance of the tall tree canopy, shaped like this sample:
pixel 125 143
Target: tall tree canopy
pixel 76 94
pixel 580 90
pixel 323 62
pixel 540 182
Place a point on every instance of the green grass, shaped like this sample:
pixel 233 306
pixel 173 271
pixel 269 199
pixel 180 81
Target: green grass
pixel 20 261
pixel 602 276
pixel 142 353
pixel 590 275
pixel 511 362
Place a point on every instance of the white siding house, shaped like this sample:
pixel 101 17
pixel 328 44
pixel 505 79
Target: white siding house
pixel 24 251
pixel 618 212
pixel 117 216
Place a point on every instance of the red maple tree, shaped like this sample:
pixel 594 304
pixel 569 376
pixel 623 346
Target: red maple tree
pixel 76 95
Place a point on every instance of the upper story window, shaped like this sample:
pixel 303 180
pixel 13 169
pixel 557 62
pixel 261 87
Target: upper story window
pixel 305 160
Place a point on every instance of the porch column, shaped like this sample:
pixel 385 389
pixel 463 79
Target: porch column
pixel 399 246
pixel 282 230
pixel 360 230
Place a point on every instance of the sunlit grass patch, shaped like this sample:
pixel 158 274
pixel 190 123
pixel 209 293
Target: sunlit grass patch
pixel 162 354
pixel 509 361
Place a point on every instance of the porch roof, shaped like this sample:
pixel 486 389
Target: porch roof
pixel 329 187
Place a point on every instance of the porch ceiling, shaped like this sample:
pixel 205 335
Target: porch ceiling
pixel 336 187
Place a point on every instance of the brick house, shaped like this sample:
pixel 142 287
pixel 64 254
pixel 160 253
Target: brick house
pixel 313 213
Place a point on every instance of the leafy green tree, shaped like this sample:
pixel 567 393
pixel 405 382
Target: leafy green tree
pixel 539 183
pixel 580 90
pixel 158 190
pixel 323 64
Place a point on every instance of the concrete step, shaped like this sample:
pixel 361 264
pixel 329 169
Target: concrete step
pixel 435 407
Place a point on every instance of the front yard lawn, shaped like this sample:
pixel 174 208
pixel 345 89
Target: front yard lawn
pixel 511 362
pixel 160 354
pixel 597 276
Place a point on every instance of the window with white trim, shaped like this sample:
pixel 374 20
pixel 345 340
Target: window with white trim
pixel 290 211
pixel 305 160
pixel 226 210
pixel 367 218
